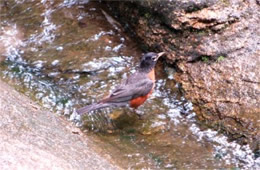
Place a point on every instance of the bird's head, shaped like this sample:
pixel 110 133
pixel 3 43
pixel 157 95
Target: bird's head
pixel 149 60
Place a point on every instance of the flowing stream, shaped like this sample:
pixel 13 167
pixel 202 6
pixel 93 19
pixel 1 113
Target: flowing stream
pixel 67 54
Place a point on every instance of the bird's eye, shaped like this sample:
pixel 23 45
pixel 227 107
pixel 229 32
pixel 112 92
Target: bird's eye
pixel 154 58
pixel 148 58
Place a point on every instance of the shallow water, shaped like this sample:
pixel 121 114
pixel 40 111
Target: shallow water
pixel 67 54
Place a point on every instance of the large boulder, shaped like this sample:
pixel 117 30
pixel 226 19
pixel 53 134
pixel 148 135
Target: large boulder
pixel 33 138
pixel 214 46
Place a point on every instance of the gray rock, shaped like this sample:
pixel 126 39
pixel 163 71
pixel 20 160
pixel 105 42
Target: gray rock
pixel 32 138
pixel 215 46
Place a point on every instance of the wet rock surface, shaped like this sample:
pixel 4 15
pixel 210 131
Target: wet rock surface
pixel 32 138
pixel 214 46
pixel 65 54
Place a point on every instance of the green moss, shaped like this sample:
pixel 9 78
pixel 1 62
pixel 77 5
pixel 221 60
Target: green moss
pixel 235 168
pixel 202 32
pixel 226 2
pixel 64 101
pixel 131 130
pixel 205 59
pixel 127 138
pixel 220 58
pixel 147 15
pixel 16 69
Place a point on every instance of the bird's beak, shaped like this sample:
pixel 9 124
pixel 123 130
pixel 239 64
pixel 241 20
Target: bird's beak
pixel 159 55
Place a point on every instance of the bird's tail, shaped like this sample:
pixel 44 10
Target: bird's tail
pixel 92 107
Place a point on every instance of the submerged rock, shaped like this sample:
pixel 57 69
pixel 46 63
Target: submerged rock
pixel 215 46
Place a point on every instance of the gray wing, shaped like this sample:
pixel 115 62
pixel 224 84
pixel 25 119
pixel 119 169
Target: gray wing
pixel 127 92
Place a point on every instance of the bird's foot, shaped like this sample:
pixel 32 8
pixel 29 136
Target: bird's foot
pixel 139 114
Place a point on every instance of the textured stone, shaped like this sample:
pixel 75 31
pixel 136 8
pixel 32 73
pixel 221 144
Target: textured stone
pixel 215 48
pixel 32 138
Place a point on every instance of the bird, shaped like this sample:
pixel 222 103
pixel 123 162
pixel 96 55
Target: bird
pixel 134 90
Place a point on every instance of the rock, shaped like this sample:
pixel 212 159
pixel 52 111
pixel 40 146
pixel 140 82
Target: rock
pixel 215 47
pixel 32 138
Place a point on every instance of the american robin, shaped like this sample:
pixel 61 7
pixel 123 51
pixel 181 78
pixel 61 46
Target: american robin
pixel 134 90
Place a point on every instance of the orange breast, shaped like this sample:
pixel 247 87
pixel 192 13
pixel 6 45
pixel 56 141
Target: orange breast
pixel 151 75
pixel 138 101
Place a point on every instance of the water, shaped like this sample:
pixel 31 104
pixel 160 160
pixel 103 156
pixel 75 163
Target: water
pixel 67 54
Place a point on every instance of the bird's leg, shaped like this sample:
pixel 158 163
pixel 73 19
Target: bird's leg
pixel 116 114
pixel 139 114
pixel 129 111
